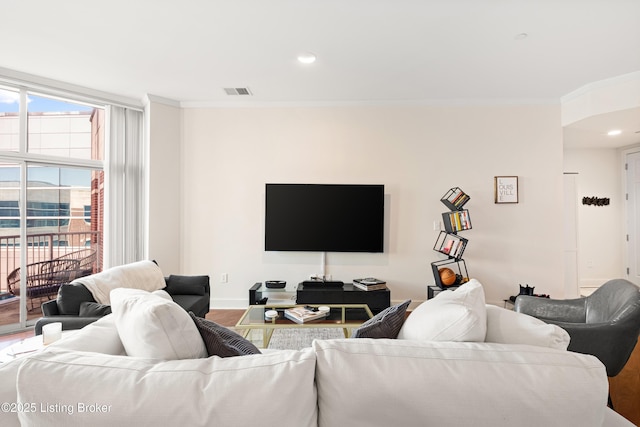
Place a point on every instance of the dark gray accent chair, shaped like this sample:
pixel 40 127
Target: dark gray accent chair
pixel 190 292
pixel 605 324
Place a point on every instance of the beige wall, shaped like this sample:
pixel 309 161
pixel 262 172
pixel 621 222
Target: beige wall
pixel 417 152
pixel 600 228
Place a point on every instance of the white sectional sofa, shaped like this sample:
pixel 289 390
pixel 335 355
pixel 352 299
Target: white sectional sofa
pixel 87 379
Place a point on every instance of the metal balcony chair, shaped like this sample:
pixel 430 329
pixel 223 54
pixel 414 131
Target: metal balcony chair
pixel 605 324
pixel 45 277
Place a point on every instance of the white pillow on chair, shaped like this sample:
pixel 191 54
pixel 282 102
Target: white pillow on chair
pixel 154 327
pixel 509 327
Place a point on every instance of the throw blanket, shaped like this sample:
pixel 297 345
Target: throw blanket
pixel 145 275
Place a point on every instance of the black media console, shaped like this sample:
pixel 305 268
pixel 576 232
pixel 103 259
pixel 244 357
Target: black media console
pixel 346 294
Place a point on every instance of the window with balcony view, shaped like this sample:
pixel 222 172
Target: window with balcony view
pixel 51 198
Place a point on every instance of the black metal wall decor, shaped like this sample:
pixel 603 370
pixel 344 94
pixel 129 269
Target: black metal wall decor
pixel 595 201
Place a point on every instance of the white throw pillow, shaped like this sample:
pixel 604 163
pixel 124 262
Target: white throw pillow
pixel 100 336
pixel 458 315
pixel 509 327
pixel 151 326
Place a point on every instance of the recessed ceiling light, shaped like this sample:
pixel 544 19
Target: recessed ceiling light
pixel 307 58
pixel 614 132
pixel 521 36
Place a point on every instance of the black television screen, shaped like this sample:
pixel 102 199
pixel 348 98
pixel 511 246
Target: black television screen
pixel 324 217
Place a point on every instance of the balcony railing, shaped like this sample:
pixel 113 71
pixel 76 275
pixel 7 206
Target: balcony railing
pixel 45 247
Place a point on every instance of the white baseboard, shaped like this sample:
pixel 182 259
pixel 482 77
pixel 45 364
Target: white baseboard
pixel 240 303
pixel 229 304
pixel 585 291
pixel 591 283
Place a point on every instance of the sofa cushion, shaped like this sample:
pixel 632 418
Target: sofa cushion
pixel 186 285
pixel 100 336
pixel 510 327
pixel 194 303
pixel 93 309
pixel 455 384
pixel 151 326
pixel 453 315
pixel 274 389
pixel 70 296
pixel 385 324
pixel 221 341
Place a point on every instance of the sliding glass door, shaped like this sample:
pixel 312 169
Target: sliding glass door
pixel 51 200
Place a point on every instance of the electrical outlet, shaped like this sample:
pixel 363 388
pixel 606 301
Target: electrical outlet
pixel 224 278
pixel 436 225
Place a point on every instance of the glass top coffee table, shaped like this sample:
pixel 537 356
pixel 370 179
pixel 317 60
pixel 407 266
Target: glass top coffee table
pixel 345 316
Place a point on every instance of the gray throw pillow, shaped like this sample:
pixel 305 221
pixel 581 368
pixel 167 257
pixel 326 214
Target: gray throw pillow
pixel 385 324
pixel 221 341
pixel 94 309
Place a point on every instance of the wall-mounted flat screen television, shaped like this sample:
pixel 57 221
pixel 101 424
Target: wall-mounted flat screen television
pixel 324 217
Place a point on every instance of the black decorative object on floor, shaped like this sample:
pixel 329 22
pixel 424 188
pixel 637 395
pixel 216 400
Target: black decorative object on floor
pixel 527 290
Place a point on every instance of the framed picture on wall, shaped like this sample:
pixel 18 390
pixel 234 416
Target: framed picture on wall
pixel 506 189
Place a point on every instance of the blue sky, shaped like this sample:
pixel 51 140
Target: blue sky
pixel 9 103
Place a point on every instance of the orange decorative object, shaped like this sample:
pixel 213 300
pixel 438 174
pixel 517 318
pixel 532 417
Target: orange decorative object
pixel 447 276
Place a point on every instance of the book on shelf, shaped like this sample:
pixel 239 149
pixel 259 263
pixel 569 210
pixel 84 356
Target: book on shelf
pixel 458 252
pixel 460 200
pixel 370 281
pixel 378 287
pixel 303 314
pixel 448 246
pixel 453 194
pixel 457 221
pixel 454 248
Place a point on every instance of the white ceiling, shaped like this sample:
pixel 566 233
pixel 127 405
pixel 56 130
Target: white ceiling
pixel 369 51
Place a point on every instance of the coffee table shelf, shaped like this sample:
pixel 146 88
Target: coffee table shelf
pixel 345 316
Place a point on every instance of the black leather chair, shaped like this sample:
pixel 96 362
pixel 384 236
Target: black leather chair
pixel 605 324
pixel 75 306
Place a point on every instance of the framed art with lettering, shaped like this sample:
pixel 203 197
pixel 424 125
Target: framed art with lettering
pixel 506 189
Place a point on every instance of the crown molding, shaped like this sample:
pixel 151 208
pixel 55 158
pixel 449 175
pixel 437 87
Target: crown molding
pixel 148 98
pixel 601 97
pixel 490 102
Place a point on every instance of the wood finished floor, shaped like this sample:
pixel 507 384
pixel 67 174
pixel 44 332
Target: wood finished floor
pixel 625 388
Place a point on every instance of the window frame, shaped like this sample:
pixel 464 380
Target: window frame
pixel 23 159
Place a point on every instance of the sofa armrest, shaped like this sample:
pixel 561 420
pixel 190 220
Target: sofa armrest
pixel 612 343
pixel 571 310
pixel 68 322
pixel 50 308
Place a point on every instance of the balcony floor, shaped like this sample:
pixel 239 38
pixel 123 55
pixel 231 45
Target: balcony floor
pixel 10 311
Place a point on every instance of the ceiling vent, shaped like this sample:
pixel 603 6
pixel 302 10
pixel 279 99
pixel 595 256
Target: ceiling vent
pixel 237 91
